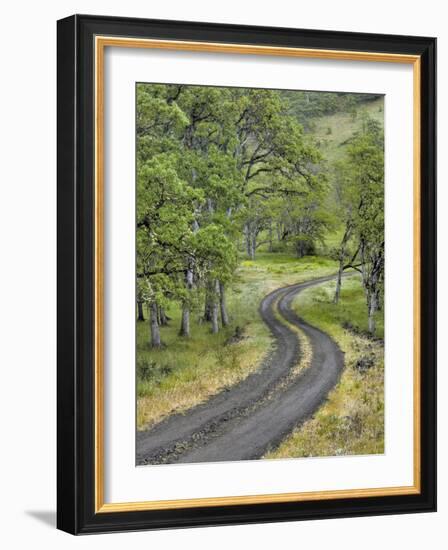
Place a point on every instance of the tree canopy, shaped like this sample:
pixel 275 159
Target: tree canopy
pixel 224 170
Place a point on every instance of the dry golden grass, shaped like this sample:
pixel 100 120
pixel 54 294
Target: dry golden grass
pixel 207 374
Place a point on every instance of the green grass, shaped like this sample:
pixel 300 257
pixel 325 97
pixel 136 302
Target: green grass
pixel 186 372
pixel 318 308
pixel 352 419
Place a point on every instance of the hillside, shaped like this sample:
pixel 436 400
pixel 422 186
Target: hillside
pixel 332 132
pixel 333 117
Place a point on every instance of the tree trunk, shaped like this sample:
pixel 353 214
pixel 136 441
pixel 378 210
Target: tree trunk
pixel 337 292
pixel 270 237
pixel 371 277
pixel 300 249
pixel 248 241
pixel 251 242
pixel 207 310
pixel 254 245
pixel 223 305
pixel 185 322
pixel 279 231
pixel 372 310
pixel 155 331
pixel 252 248
pixel 343 246
pixel 208 303
pixel 163 317
pixel 214 311
pixel 141 316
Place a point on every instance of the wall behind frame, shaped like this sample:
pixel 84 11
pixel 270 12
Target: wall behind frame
pixel 27 277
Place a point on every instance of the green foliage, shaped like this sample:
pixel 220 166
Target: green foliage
pixel 360 204
pixel 219 169
pixel 212 163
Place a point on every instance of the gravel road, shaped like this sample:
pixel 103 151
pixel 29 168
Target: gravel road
pixel 245 421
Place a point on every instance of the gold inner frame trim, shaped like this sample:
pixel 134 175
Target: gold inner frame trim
pixel 101 42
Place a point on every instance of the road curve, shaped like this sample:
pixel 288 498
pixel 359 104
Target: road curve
pixel 245 421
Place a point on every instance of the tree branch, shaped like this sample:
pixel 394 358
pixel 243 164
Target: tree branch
pixel 355 267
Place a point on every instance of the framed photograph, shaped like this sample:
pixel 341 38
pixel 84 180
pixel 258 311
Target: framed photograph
pixel 246 274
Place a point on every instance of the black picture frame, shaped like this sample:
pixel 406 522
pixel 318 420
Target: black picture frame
pixel 76 263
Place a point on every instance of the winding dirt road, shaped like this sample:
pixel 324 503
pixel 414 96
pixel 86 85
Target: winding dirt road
pixel 245 421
